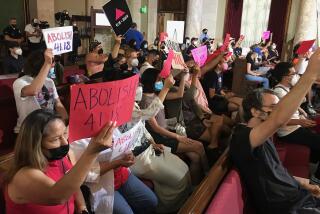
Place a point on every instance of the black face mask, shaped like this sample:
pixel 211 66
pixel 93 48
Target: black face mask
pixel 58 153
pixel 124 67
pixel 100 51
pixel 14 26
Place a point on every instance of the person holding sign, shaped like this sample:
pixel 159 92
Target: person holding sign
pixel 41 167
pixel 157 126
pixel 95 59
pixel 35 90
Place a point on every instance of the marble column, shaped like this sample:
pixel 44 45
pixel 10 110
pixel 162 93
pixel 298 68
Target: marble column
pixel 306 28
pixel 152 20
pixel 194 18
pixel 45 11
pixel 134 6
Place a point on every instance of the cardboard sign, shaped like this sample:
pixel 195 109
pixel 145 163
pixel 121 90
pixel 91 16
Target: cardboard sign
pixel 266 35
pixel 94 105
pixel 119 16
pixel 225 43
pixel 178 61
pixel 163 36
pixel 165 72
pixel 200 55
pixel 123 143
pixel 175 30
pixel 305 46
pixel 59 39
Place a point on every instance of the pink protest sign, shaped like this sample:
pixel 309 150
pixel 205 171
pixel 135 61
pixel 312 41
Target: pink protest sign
pixel 225 43
pixel 266 35
pixel 165 72
pixel 94 105
pixel 200 55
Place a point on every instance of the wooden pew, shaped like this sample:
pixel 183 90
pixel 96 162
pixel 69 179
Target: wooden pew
pixel 202 196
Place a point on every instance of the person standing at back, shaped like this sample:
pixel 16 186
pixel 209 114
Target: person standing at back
pixel 12 33
pixel 33 33
pixel 14 62
pixel 134 34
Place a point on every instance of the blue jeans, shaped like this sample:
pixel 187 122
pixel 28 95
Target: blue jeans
pixel 134 197
pixel 263 80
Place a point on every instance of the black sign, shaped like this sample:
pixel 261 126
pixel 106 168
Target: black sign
pixel 119 16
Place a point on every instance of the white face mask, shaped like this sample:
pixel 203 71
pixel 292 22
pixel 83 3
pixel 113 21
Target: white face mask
pixel 138 97
pixel 295 79
pixel 273 47
pixel 18 51
pixel 135 62
pixel 196 43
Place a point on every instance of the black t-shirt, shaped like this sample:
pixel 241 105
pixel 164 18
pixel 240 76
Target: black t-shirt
pixel 254 66
pixel 269 185
pixel 212 80
pixel 12 65
pixel 14 33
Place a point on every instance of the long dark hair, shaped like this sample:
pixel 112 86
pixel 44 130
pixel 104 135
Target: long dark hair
pixel 28 148
pixel 148 79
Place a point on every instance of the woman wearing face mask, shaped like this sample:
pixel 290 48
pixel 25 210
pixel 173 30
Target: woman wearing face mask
pixel 14 62
pixel 95 59
pixel 132 61
pixel 41 178
pixel 157 126
pixel 34 90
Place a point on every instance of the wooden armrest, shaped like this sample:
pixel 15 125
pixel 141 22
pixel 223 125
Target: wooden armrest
pixel 202 196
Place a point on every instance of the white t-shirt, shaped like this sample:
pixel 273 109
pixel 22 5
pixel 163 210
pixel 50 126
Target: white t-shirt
pixel 45 99
pixel 30 29
pixel 282 91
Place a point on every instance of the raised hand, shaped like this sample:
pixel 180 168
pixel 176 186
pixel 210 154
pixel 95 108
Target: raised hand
pixel 103 140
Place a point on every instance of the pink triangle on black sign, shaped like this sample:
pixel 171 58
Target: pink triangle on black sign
pixel 119 14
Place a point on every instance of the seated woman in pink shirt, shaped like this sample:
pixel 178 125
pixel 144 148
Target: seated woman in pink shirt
pixel 41 178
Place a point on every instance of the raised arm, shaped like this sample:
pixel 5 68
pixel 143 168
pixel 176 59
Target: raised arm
pixel 36 85
pixel 288 105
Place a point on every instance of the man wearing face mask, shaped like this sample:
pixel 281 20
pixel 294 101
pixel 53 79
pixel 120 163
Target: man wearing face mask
pixel 12 33
pixel 34 34
pixel 152 60
pixel 204 35
pixel 297 130
pixel 219 101
pixel 14 62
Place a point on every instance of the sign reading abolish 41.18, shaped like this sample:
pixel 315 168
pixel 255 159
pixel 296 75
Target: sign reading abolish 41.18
pixel 59 39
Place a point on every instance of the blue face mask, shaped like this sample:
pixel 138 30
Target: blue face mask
pixel 158 86
pixel 51 73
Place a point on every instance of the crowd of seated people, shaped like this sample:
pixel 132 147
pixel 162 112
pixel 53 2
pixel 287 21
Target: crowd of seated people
pixel 187 120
